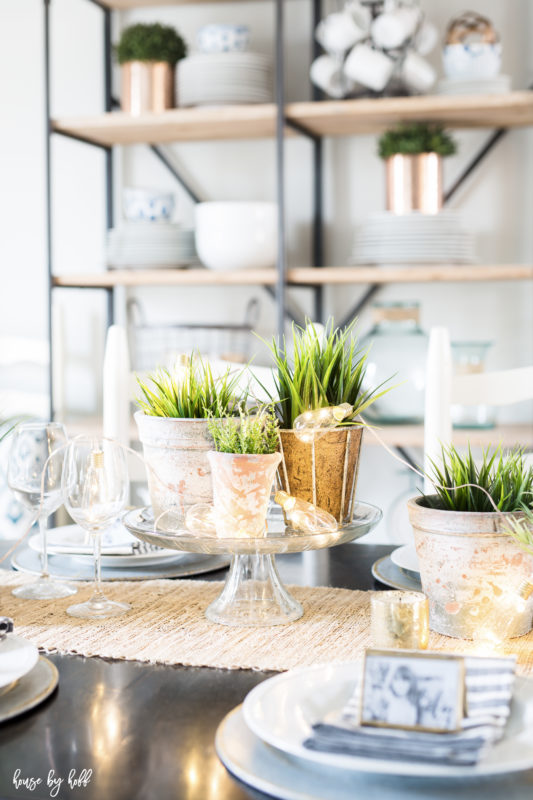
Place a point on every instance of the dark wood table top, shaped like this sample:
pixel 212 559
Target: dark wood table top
pixel 148 731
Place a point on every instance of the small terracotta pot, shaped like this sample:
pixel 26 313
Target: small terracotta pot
pixel 147 86
pixel 414 183
pixel 467 565
pixel 242 485
pixel 176 451
pixel 325 473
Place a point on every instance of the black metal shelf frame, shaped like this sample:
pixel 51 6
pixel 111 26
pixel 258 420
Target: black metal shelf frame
pixel 284 306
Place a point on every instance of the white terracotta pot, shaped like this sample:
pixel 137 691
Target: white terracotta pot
pixel 470 569
pixel 178 472
pixel 242 485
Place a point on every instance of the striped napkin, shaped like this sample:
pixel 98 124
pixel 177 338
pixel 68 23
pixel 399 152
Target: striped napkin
pixel 488 688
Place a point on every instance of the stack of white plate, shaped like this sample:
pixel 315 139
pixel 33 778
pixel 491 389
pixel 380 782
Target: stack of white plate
pixel 387 238
pixel 262 744
pixel 17 658
pixel 496 85
pixel 214 79
pixel 150 244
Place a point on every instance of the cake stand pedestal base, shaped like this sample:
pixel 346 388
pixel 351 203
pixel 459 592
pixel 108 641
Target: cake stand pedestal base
pixel 253 595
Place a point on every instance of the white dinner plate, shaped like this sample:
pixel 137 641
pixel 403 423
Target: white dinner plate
pixel 70 540
pixel 282 710
pixel 17 658
pixel 405 557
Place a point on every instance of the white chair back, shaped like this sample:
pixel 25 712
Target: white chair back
pixel 499 388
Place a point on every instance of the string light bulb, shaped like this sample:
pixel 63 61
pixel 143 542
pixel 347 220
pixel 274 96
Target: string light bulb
pixel 200 518
pixel 317 422
pixel 304 516
pixel 94 492
pixel 499 620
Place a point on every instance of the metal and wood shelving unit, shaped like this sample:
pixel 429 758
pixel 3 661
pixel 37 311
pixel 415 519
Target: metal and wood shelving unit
pixel 314 120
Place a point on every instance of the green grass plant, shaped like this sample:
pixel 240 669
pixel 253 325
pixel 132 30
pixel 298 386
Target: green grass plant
pixel 324 370
pixel 502 477
pixel 193 394
pixel 255 431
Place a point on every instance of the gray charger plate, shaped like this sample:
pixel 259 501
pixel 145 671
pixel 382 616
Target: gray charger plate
pixel 290 778
pixel 30 690
pixel 66 567
pixel 386 571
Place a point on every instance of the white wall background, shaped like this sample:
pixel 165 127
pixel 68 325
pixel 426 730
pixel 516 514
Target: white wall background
pixel 497 202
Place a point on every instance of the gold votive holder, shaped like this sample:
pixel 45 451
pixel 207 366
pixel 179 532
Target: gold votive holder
pixel 400 619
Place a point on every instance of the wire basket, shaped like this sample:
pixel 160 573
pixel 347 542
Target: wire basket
pixel 158 345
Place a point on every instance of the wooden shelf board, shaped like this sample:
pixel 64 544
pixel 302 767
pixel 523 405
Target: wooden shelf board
pixel 419 274
pixel 392 435
pixel 299 276
pixel 175 125
pixel 167 277
pixel 123 5
pixel 327 118
pixel 413 436
pixel 349 117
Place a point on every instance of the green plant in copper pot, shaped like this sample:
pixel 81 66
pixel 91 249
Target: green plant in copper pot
pixel 148 54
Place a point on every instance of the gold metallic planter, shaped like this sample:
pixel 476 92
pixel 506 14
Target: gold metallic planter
pixel 414 183
pixel 147 86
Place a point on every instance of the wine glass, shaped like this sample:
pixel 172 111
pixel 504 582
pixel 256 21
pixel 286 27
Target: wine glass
pixel 95 490
pixel 33 444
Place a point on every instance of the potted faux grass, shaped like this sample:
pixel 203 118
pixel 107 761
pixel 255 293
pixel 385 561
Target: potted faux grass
pixel 148 54
pixel 413 156
pixel 174 409
pixel 470 565
pixel 243 467
pixel 324 370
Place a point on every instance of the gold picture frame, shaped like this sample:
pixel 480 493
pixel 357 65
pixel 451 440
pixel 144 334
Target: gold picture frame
pixel 412 690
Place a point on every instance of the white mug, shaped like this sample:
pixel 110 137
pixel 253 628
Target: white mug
pixel 417 73
pixel 360 14
pixel 337 32
pixel 369 67
pixel 426 38
pixel 326 73
pixel 392 29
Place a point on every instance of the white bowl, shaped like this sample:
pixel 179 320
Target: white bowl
pixel 474 60
pixel 147 204
pixel 223 38
pixel 235 235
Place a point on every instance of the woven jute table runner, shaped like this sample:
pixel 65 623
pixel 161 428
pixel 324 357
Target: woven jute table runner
pixel 167 625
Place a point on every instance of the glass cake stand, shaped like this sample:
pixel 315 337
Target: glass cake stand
pixel 253 594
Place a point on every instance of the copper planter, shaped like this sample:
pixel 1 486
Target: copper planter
pixel 414 183
pixel 147 86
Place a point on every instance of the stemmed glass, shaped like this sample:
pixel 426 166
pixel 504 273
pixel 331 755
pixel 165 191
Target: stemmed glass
pixel 33 444
pixel 95 490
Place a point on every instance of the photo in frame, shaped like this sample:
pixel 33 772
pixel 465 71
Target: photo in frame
pixel 411 690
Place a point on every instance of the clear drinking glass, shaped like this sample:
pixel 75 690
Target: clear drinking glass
pixel 95 490
pixel 469 358
pixel 33 443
